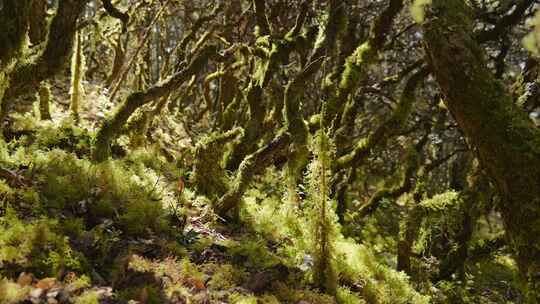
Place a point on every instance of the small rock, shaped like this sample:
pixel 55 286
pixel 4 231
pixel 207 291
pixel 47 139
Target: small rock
pixel 36 293
pixel 53 294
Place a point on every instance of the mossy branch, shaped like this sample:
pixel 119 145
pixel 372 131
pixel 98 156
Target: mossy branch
pixel 250 140
pixel 507 141
pixel 388 128
pixel 253 164
pixel 295 125
pixel 406 184
pixel 113 125
pixel 44 101
pixel 277 53
pixel 331 31
pixel 357 64
pixel 322 215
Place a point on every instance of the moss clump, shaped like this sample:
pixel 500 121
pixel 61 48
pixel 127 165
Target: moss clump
pixel 209 169
pixel 106 191
pixel 35 246
pixel 11 292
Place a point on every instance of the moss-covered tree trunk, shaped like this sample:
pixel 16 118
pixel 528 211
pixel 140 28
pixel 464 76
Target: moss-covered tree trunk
pixel 507 142
pixel 77 74
pixel 38 23
pixel 44 101
pixel 50 60
pixel 13 28
pixel 14 23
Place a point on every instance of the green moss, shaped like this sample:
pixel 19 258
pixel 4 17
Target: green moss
pixel 35 246
pixel 417 10
pixel 380 284
pixel 88 297
pixel 252 254
pixel 209 174
pixel 11 292
pixel 106 191
pixel 352 74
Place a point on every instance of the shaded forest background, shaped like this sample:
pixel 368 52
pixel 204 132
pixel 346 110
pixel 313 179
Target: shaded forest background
pixel 278 151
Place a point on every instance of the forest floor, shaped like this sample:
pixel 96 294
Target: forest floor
pixel 134 229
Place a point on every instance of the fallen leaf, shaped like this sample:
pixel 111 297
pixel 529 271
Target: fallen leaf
pixel 46 283
pixel 25 279
pixel 197 283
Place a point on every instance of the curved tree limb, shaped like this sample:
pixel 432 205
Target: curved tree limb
pixel 279 51
pixel 406 184
pixel 113 125
pixel 356 65
pixel 388 128
pixel 116 13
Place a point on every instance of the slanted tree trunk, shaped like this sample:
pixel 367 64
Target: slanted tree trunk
pixel 507 142
pixel 113 125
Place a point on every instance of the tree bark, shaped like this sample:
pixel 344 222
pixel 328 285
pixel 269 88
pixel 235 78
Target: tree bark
pixel 38 23
pixel 507 142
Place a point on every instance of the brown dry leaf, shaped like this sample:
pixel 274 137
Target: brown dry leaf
pixel 25 279
pixel 197 283
pixel 46 283
pixel 181 185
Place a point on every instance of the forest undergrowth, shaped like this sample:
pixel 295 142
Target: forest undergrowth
pixel 269 151
pixel 134 228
